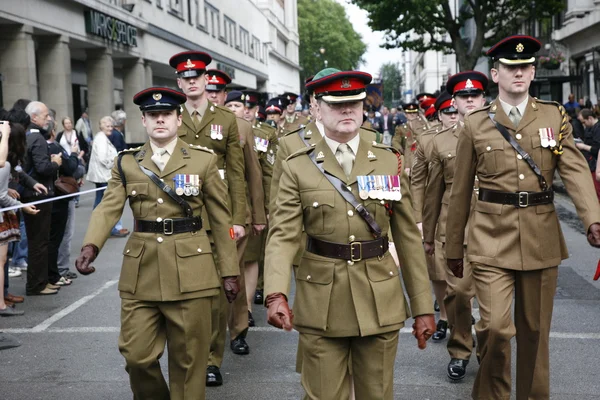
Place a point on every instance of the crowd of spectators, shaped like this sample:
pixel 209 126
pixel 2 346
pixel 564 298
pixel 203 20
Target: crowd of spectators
pixel 38 162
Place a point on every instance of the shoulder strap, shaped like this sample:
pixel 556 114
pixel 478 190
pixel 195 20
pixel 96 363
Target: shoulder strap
pixel 349 197
pixel 121 173
pixel 523 153
pixel 301 134
pixel 187 209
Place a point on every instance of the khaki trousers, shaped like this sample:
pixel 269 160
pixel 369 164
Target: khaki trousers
pixel 534 300
pixel 234 315
pixel 325 366
pixel 459 293
pixel 185 327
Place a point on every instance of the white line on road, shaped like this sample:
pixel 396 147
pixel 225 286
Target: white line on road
pixel 66 311
pixel 115 329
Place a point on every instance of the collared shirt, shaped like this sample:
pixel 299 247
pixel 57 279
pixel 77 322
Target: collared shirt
pixel 199 111
pixel 507 107
pixel 352 143
pixel 169 147
pixel 321 128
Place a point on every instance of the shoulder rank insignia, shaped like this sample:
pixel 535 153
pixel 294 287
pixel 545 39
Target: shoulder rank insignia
pixel 320 156
pixel 131 150
pixel 184 151
pixel 371 156
pixel 196 147
pixel 307 133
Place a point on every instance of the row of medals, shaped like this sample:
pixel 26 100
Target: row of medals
pixel 379 187
pixel 188 185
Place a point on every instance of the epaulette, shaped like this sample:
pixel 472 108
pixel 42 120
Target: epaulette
pixel 484 108
pixel 556 103
pixel 369 129
pixel 294 131
pixel 385 147
pixel 267 127
pixel 131 150
pixel 197 147
pixel 222 108
pixel 304 150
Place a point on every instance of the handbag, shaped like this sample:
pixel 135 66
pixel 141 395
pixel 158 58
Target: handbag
pixel 66 185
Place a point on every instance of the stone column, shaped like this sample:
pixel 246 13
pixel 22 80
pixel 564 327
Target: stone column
pixel 148 71
pixel 17 64
pixel 100 77
pixel 134 79
pixel 54 70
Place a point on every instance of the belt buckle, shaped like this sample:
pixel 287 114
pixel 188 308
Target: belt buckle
pixel 166 229
pixel 525 203
pixel 353 246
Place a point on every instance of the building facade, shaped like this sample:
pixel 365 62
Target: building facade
pixel 96 54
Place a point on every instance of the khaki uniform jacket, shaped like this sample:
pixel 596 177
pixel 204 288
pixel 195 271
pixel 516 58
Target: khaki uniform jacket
pixel 156 266
pixel 502 235
pixel 338 298
pixel 230 158
pixel 407 137
pixel 420 172
pixel 266 158
pixel 255 202
pixel 298 122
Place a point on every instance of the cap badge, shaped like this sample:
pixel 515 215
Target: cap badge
pixel 243 97
pixel 345 84
pixel 469 84
pixel 189 64
pixel 214 79
pixel 520 48
pixel 157 96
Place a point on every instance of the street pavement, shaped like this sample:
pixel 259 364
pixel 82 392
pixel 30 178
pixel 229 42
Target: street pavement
pixel 69 341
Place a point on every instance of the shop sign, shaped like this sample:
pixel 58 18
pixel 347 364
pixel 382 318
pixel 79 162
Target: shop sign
pixel 110 28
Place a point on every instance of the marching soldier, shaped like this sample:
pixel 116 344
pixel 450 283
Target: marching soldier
pixel 514 146
pixel 407 135
pixel 334 320
pixel 290 121
pixel 467 88
pixel 168 278
pixel 236 315
pixel 436 266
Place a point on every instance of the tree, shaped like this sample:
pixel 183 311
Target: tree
pixel 391 77
pixel 423 25
pixel 327 37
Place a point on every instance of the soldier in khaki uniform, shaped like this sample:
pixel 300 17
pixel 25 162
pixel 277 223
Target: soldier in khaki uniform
pixel 515 240
pixel 467 88
pixel 407 135
pixel 436 266
pixel 290 121
pixel 333 319
pixel 236 315
pixel 168 278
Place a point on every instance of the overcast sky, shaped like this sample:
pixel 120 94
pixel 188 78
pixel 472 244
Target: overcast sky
pixel 375 56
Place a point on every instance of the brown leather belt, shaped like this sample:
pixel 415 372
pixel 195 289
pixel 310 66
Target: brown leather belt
pixel 518 199
pixel 169 226
pixel 354 251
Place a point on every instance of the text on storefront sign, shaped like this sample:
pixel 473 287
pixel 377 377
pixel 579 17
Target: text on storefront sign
pixel 110 28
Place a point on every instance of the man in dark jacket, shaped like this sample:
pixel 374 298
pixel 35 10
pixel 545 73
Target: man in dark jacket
pixel 590 146
pixel 43 168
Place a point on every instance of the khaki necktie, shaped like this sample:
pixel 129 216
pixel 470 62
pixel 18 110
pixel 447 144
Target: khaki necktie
pixel 345 157
pixel 515 116
pixel 157 158
pixel 196 119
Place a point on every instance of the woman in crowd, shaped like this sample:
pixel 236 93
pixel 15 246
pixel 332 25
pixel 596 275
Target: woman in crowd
pixel 12 151
pixel 60 208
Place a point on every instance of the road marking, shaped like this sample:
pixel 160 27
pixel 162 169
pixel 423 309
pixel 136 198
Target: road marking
pixel 270 329
pixel 66 311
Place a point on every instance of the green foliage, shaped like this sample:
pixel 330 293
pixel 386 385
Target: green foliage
pixel 323 24
pixel 423 25
pixel 391 76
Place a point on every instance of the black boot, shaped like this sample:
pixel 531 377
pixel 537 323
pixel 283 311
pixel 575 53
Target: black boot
pixel 239 346
pixel 457 369
pixel 440 331
pixel 251 319
pixel 258 296
pixel 213 376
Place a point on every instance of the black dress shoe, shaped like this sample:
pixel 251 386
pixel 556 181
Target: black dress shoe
pixel 258 296
pixel 251 319
pixel 440 331
pixel 239 346
pixel 436 306
pixel 457 369
pixel 213 376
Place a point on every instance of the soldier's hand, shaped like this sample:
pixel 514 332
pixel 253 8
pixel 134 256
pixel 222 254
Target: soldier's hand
pixel 238 232
pixel 231 287
pixel 88 254
pixel 429 248
pixel 456 266
pixel 258 228
pixel 593 235
pixel 278 311
pixel 423 328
